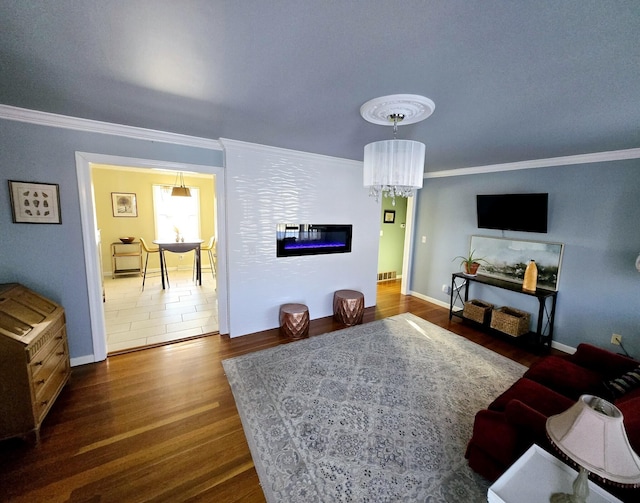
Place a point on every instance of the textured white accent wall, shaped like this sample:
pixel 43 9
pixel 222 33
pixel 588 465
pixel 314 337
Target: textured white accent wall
pixel 267 186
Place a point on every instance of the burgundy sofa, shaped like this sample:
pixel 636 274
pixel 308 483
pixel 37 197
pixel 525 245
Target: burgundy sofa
pixel 517 418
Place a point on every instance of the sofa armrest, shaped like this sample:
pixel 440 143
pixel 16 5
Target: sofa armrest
pixel 527 420
pixel 600 360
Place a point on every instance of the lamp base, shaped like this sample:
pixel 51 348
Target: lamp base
pixel 580 490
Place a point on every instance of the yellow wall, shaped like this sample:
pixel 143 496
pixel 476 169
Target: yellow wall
pixel 107 180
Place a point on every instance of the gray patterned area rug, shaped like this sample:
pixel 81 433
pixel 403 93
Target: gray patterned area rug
pixel 380 412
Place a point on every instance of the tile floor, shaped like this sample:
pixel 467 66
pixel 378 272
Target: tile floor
pixel 136 318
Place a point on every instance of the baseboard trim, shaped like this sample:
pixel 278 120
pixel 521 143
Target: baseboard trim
pixel 82 360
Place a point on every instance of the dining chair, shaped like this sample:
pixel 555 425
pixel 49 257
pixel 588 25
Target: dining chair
pixel 210 248
pixel 149 250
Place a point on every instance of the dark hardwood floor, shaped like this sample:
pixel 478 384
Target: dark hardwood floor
pixel 161 424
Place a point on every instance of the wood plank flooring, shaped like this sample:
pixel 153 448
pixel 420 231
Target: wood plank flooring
pixel 161 424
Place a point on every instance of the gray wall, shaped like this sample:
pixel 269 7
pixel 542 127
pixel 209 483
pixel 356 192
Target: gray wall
pixel 50 258
pixel 594 210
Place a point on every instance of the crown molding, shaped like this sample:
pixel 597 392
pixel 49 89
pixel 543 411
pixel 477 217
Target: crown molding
pixel 612 155
pixel 91 126
pixel 9 112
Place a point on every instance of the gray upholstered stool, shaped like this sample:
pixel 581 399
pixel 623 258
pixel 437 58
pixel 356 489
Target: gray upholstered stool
pixel 294 320
pixel 348 307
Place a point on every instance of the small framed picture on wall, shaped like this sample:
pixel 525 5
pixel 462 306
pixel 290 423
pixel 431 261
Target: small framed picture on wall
pixel 389 216
pixel 124 204
pixel 34 203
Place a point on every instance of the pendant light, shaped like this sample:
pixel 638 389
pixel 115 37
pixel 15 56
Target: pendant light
pixel 395 168
pixel 180 190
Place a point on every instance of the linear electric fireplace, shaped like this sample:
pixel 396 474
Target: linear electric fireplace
pixel 293 240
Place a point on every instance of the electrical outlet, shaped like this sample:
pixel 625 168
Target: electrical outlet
pixel 616 339
pixel 446 289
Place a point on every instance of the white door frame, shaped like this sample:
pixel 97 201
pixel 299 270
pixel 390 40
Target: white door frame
pixel 407 254
pixel 89 237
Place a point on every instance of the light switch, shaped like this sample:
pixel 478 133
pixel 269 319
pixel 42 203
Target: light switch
pixel 424 239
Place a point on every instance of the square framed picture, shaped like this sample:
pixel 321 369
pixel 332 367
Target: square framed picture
pixel 389 216
pixel 34 203
pixel 124 204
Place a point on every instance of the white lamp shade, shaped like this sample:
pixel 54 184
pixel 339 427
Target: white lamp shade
pixel 592 434
pixel 390 163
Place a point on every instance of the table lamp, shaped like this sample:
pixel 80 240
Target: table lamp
pixel 591 433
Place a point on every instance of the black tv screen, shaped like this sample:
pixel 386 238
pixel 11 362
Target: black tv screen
pixel 513 212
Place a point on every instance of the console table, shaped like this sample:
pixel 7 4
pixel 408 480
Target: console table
pixel 546 301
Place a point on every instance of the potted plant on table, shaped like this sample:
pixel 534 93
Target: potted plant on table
pixel 470 263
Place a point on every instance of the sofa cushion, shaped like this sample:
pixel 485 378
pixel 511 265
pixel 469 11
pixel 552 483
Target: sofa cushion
pixel 565 377
pixel 605 362
pixel 624 383
pixel 535 395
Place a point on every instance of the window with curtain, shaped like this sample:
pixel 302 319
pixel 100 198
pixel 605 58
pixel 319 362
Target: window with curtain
pixel 174 215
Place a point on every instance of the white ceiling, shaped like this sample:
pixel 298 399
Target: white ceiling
pixel 512 80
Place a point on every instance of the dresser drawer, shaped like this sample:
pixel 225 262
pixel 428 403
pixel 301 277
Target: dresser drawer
pixel 40 348
pixel 41 374
pixel 38 361
pixel 51 388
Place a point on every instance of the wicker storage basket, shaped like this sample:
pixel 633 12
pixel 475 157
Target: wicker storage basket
pixel 477 310
pixel 510 321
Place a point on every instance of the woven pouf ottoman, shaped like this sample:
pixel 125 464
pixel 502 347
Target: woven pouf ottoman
pixel 294 320
pixel 348 307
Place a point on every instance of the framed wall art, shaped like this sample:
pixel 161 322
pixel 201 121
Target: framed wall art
pixel 389 216
pixel 124 204
pixel 508 258
pixel 34 203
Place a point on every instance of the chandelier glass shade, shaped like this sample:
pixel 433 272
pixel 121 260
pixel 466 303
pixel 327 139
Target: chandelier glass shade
pixel 393 167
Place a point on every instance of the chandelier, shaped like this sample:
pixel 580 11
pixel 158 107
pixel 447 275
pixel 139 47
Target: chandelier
pixel 395 168
pixel 180 190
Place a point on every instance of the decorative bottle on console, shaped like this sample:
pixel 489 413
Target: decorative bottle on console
pixel 530 277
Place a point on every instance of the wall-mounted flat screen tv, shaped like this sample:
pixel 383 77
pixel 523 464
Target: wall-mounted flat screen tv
pixel 513 212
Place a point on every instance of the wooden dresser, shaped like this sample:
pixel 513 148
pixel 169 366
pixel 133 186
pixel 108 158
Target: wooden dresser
pixel 34 359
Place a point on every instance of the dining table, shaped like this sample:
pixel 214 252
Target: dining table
pixel 180 247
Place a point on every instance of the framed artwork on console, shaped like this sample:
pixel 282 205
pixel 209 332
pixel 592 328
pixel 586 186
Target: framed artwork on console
pixel 508 258
pixel 34 203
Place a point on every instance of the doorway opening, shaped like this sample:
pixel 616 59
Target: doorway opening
pixel 147 328
pixel 396 236
pixel 138 315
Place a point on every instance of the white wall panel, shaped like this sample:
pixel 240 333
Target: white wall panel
pixel 267 186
